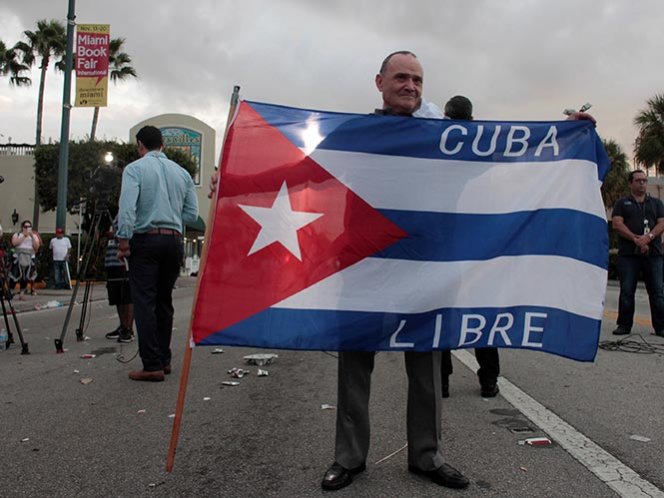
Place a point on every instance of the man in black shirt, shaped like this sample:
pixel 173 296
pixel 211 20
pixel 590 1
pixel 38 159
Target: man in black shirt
pixel 639 220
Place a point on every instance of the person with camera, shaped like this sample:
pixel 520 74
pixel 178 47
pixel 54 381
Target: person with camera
pixel 26 244
pixel 117 287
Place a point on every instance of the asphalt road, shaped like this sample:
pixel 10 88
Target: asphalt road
pixel 269 436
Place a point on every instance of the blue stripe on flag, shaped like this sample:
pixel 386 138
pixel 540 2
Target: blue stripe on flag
pixel 403 136
pixel 311 330
pixel 463 237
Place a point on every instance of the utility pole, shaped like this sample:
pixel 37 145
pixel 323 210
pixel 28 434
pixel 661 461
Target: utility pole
pixel 61 210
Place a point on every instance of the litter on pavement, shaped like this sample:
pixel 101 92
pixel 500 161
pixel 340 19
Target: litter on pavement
pixel 50 304
pixel 260 359
pixel 536 441
pixel 238 373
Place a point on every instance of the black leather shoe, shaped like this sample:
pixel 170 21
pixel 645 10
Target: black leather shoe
pixel 621 331
pixel 489 390
pixel 446 390
pixel 338 477
pixel 445 475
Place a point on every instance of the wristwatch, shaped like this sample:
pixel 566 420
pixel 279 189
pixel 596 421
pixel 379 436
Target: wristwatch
pixel 651 236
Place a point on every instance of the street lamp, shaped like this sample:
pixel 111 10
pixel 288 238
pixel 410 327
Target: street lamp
pixel 108 157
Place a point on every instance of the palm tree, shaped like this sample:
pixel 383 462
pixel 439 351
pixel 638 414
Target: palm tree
pixel 649 145
pixel 49 40
pixel 120 69
pixel 12 67
pixel 615 182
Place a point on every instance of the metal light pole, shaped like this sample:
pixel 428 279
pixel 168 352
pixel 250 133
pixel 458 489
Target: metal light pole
pixel 61 211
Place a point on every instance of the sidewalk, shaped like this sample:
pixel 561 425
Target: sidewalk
pixel 55 298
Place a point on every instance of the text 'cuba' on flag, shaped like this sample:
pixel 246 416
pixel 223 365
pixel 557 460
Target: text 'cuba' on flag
pixel 338 232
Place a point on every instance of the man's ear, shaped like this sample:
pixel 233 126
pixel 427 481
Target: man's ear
pixel 379 83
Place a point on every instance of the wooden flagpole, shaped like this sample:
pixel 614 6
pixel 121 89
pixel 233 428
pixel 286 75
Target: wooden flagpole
pixel 186 363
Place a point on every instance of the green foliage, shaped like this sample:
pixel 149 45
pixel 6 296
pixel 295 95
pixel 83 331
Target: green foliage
pixel 182 158
pixel 49 40
pixel 120 69
pixel 12 67
pixel 649 145
pixel 119 62
pixel 84 158
pixel 615 182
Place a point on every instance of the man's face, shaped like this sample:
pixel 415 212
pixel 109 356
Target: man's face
pixel 638 184
pixel 401 84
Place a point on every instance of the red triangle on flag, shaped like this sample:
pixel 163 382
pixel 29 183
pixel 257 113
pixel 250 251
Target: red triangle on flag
pixel 258 159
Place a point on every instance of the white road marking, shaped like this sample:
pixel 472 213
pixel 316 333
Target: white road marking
pixel 615 474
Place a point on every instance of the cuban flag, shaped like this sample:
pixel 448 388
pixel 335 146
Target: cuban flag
pixel 337 231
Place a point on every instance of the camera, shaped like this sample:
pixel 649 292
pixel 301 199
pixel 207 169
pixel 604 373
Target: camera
pixel 105 185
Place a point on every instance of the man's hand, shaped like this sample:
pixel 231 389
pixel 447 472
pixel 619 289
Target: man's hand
pixel 213 184
pixel 580 116
pixel 123 249
pixel 642 242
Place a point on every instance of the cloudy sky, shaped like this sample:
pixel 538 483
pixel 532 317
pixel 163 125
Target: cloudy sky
pixel 516 59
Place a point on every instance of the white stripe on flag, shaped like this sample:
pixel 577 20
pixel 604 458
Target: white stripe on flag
pixel 400 286
pixel 414 184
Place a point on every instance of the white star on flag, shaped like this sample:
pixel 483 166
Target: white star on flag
pixel 279 223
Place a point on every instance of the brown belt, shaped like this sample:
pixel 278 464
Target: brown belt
pixel 163 231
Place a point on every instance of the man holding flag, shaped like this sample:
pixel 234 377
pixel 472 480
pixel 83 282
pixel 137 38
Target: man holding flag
pixel 341 232
pixel 400 81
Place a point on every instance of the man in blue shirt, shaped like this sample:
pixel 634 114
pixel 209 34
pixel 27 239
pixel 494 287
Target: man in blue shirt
pixel 156 201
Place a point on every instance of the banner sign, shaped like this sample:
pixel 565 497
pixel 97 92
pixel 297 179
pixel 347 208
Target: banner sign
pixel 364 232
pixel 92 59
pixel 189 141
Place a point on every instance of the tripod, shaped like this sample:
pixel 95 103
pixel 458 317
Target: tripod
pixel 93 242
pixel 6 297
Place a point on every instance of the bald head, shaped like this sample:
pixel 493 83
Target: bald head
pixel 400 81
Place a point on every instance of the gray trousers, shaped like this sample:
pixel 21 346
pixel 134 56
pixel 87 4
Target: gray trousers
pixel 424 409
